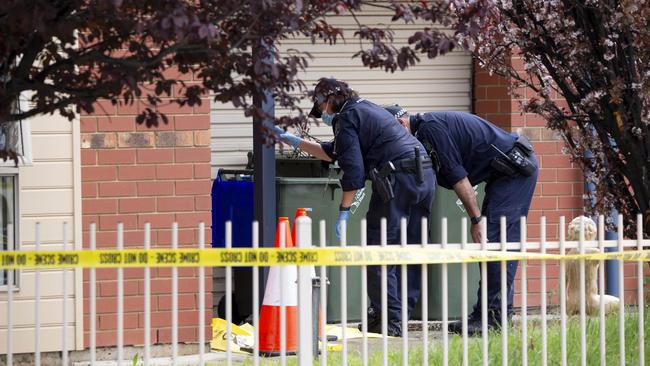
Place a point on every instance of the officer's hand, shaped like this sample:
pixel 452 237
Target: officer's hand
pixel 287 138
pixel 344 215
pixel 476 232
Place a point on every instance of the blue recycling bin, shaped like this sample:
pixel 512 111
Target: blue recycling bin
pixel 232 200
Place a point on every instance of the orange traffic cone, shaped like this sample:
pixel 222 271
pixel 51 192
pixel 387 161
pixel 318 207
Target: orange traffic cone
pixel 270 315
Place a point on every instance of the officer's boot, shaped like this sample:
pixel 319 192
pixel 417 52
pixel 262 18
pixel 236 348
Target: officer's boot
pixel 374 321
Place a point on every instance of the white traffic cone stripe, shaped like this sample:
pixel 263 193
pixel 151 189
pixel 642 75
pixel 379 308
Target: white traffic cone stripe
pixel 272 292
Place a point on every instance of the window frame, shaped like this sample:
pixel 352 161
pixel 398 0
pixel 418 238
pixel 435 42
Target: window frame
pixel 13 172
pixel 10 168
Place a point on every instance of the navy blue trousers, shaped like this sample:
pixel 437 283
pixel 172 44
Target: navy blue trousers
pixel 413 202
pixel 509 197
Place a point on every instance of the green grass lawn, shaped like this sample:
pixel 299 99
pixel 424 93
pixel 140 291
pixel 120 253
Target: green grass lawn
pixel 612 343
pixel 514 346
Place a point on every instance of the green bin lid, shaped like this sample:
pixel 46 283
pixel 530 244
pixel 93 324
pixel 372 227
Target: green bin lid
pixel 308 181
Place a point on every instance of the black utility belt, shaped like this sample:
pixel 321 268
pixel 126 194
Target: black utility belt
pixel 382 184
pixel 410 166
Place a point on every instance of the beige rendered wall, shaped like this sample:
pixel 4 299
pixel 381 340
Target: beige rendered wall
pixel 49 193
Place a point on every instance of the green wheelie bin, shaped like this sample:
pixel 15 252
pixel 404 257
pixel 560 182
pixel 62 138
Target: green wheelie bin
pixel 447 204
pixel 323 196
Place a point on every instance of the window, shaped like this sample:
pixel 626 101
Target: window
pixel 14 136
pixel 11 137
pixel 8 216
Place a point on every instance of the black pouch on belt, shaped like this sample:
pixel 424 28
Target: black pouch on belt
pixel 524 145
pixel 418 167
pixel 503 166
pixel 519 155
pixel 516 160
pixel 519 159
pixel 381 182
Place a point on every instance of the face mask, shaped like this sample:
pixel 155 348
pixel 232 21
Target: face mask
pixel 327 118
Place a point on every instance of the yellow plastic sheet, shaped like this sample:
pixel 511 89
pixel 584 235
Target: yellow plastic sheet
pixel 242 336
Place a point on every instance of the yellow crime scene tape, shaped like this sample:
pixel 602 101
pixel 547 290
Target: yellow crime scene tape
pixel 249 257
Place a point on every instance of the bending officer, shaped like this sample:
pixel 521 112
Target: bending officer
pixel 469 150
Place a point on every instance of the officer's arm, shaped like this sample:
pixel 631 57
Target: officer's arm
pixel 348 154
pixel 348 198
pixel 465 192
pixel 314 149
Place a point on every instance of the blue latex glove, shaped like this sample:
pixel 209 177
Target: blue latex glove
pixel 287 138
pixel 278 130
pixel 344 215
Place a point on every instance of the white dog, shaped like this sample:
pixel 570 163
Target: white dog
pixel 592 297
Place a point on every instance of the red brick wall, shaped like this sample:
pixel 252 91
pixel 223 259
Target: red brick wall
pixel 559 186
pixel 134 174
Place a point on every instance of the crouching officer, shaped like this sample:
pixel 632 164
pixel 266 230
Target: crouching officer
pixel 369 144
pixel 469 150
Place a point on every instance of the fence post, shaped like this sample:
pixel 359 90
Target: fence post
pixel 305 275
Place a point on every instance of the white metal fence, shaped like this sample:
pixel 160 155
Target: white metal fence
pixel 306 347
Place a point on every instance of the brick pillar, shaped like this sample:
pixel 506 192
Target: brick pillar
pixel 559 185
pixel 134 174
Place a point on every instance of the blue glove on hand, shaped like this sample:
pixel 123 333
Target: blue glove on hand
pixel 287 137
pixel 344 215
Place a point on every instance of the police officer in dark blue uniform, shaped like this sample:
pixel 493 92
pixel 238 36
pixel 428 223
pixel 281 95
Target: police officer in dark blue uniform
pixel 368 144
pixel 469 150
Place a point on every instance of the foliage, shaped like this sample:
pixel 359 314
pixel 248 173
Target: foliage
pixel 587 64
pixel 64 55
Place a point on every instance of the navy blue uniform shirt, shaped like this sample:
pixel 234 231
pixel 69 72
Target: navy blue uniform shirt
pixel 366 136
pixel 463 144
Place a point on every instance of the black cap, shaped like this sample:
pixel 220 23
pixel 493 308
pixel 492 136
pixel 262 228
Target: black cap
pixel 396 110
pixel 323 89
pixel 315 111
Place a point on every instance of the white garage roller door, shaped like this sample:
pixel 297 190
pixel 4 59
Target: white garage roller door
pixel 440 84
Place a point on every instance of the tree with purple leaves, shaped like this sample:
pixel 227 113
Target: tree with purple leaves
pixel 64 55
pixel 587 64
pixel 595 56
